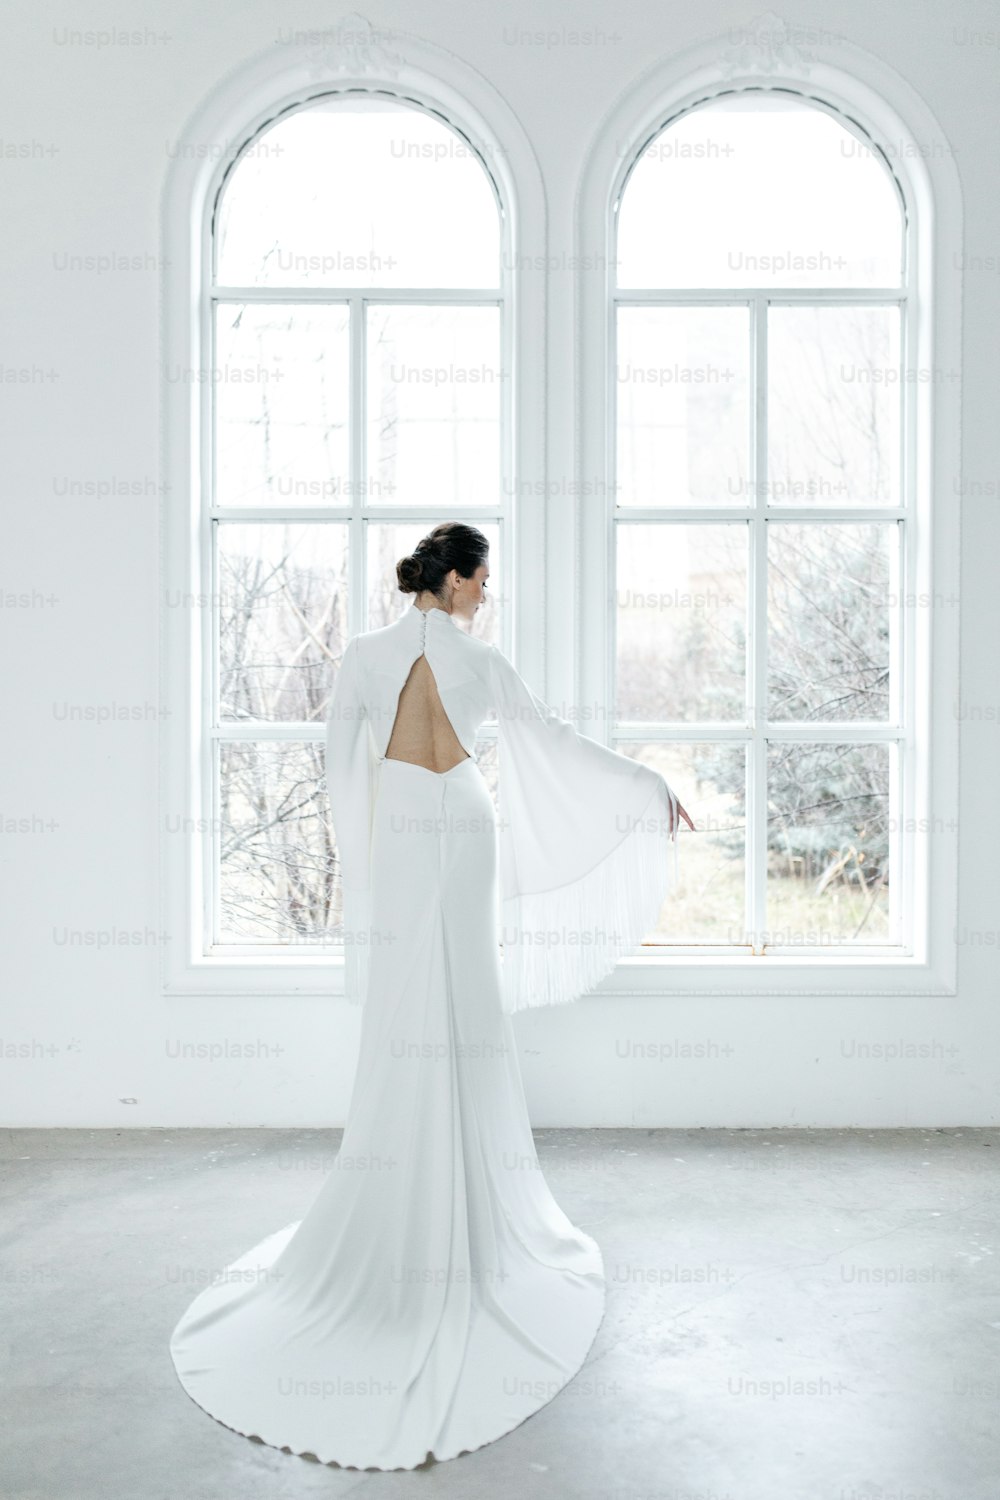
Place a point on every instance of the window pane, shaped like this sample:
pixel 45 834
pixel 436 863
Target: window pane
pixel 683 417
pixel 434 404
pixel 707 903
pixel 681 621
pixel 834 405
pixel 282 405
pixel 275 843
pixel 828 620
pixel 828 844
pixel 389 541
pixel 282 618
pixel 359 193
pixel 759 193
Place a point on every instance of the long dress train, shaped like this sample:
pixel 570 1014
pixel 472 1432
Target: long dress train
pixel 435 1294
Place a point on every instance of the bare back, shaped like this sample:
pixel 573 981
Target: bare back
pixel 422 733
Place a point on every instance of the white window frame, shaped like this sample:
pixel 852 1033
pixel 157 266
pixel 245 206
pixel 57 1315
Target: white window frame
pixel 858 88
pixel 233 117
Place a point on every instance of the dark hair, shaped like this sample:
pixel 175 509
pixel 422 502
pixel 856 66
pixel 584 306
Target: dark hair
pixel 450 545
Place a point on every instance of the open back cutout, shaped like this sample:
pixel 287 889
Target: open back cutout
pixel 422 734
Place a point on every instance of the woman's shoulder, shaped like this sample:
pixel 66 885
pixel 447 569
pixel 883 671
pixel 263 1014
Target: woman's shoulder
pixel 385 641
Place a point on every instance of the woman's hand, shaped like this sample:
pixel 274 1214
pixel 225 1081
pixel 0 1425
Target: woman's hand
pixel 682 813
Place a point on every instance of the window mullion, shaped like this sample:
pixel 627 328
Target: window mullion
pixel 205 623
pixel 473 296
pixel 903 643
pixel 357 463
pixel 756 865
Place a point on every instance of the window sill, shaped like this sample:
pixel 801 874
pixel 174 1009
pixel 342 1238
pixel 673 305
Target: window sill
pixel 684 973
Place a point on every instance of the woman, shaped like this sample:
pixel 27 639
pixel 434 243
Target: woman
pixel 435 1295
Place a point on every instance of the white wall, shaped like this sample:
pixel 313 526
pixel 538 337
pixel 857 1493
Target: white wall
pixel 96 122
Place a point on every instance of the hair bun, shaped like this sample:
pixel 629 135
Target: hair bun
pixel 409 573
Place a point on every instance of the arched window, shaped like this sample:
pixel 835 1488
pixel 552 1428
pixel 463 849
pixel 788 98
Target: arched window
pixel 761 513
pixel 356 320
pixel 351 344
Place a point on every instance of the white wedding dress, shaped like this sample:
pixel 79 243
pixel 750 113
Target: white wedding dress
pixel 435 1294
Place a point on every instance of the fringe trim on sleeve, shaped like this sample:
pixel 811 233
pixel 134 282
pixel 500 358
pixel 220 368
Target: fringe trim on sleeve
pixel 560 944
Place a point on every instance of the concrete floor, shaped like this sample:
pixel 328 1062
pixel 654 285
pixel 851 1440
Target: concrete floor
pixel 792 1315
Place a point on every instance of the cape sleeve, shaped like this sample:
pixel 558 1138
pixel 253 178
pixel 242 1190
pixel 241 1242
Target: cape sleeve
pixel 349 766
pixel 583 836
